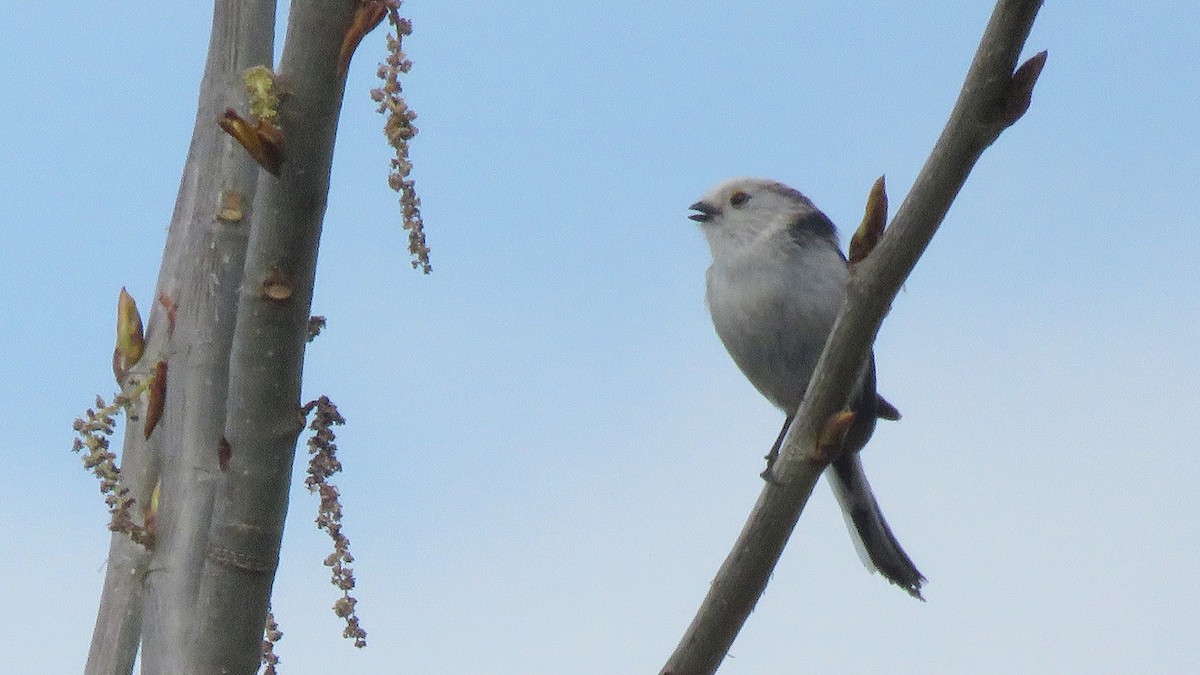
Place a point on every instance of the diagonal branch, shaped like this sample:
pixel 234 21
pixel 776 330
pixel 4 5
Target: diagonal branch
pixel 993 97
pixel 201 270
pixel 265 365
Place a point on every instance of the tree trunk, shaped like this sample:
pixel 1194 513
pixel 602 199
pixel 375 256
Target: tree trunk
pixel 222 454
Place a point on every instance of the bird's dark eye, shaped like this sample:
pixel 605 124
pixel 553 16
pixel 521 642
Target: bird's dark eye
pixel 738 198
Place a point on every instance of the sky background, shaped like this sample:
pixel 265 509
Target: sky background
pixel 548 452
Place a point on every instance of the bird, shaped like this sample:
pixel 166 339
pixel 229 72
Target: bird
pixel 774 289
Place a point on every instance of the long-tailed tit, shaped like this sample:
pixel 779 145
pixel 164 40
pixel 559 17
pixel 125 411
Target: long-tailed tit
pixel 775 287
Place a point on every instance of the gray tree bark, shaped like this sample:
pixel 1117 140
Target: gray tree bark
pixel 993 97
pixel 267 360
pixel 196 600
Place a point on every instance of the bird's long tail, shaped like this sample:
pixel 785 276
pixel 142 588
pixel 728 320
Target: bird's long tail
pixel 872 537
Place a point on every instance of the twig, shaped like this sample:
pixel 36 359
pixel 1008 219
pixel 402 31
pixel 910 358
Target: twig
pixel 992 98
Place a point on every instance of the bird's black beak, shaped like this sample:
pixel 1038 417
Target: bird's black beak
pixel 707 211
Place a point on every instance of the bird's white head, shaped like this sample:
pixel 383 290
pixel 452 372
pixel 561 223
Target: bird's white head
pixel 742 211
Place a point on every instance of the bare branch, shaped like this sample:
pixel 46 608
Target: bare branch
pixel 992 98
pixel 192 328
pixel 267 355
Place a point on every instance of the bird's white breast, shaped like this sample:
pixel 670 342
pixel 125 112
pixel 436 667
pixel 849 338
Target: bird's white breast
pixel 773 304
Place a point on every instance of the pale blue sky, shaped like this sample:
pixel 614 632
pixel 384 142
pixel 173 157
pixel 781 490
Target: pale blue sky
pixel 549 452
